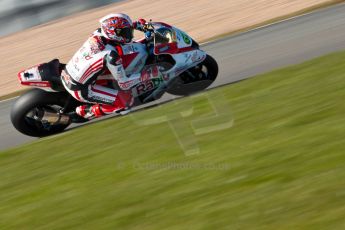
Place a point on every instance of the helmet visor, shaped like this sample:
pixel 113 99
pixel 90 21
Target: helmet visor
pixel 125 33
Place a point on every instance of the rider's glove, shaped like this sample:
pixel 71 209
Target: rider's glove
pixel 140 24
pixel 148 35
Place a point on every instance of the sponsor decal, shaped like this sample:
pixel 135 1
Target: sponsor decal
pixel 148 86
pixel 76 67
pixel 166 77
pixel 187 56
pixel 163 49
pixel 87 56
pixel 31 74
pixel 94 50
pixel 127 84
pixel 66 77
pixel 95 45
pixel 28 75
pixel 137 66
pixel 97 98
pixel 173 37
pixel 186 38
pixel 128 49
pixel 178 37
pixel 118 61
pixel 120 71
pixel 195 57
pixel 82 49
pixel 38 84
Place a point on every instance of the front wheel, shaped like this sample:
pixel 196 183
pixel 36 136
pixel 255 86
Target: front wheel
pixel 25 109
pixel 195 79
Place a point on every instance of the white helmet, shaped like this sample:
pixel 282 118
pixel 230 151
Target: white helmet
pixel 117 27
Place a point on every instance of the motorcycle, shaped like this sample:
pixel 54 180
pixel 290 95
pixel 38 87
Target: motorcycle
pixel 44 110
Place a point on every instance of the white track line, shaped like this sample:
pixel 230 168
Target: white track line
pixel 9 99
pixel 275 23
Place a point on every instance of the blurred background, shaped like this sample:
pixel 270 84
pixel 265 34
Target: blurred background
pixel 16 15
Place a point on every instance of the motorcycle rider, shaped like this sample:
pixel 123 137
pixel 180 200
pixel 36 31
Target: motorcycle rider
pixel 100 51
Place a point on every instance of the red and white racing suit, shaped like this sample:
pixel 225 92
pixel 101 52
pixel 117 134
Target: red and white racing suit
pixel 81 72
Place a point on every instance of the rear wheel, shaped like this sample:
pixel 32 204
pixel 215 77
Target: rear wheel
pixel 30 105
pixel 195 79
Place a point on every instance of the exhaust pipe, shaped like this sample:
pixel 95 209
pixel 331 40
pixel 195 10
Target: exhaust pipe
pixel 54 118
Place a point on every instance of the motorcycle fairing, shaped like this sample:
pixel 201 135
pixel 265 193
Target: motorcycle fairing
pixel 173 41
pixel 32 77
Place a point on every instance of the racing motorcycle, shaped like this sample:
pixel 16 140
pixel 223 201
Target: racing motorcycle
pixel 44 110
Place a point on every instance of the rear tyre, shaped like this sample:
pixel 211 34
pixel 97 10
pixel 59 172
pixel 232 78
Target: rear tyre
pixel 195 79
pixel 32 100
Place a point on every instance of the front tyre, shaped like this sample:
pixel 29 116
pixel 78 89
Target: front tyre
pixel 195 79
pixel 23 110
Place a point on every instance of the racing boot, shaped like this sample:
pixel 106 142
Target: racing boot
pixel 124 101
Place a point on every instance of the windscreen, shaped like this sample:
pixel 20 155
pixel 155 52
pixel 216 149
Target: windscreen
pixel 163 35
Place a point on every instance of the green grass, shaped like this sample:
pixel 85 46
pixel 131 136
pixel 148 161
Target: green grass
pixel 280 166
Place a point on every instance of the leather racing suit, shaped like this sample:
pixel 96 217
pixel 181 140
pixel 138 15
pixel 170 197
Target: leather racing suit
pixel 79 77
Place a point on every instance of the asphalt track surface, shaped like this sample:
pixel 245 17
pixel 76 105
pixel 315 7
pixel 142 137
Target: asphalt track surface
pixel 248 54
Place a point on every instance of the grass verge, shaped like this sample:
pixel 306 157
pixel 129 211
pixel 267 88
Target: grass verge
pixel 278 165
pixel 307 10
